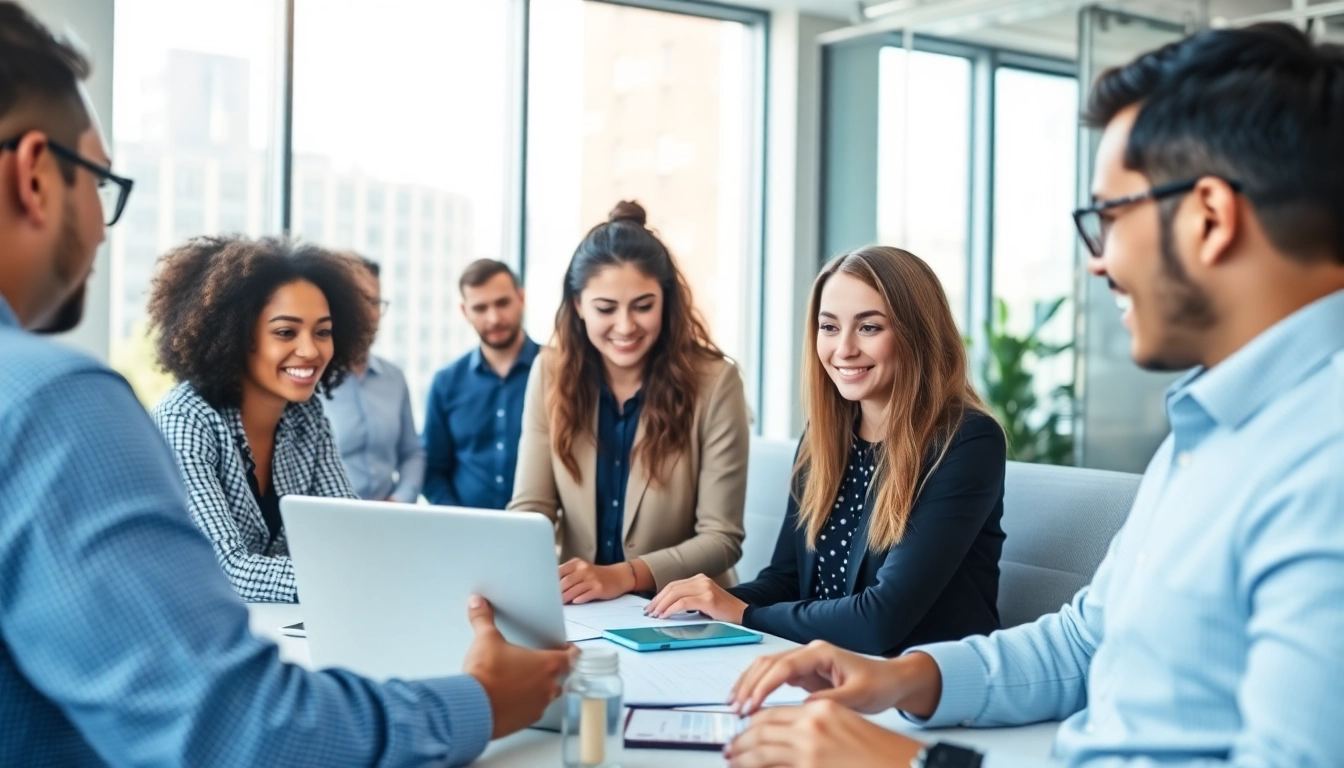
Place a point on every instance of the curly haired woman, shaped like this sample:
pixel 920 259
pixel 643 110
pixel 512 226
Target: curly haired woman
pixel 252 329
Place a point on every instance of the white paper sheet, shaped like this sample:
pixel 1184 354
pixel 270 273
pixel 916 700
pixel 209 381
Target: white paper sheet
pixel 694 677
pixel 584 622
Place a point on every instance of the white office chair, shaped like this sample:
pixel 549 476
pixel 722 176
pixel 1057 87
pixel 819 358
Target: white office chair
pixel 768 472
pixel 1059 522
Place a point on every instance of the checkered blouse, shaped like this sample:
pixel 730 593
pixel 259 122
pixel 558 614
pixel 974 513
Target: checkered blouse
pixel 213 455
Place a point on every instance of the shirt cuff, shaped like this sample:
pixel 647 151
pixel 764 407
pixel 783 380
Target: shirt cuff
pixel 965 685
pixel 464 707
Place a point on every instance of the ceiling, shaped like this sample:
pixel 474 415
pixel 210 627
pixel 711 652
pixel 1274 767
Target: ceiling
pixel 1049 27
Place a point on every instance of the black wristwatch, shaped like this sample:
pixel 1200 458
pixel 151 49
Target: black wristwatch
pixel 946 756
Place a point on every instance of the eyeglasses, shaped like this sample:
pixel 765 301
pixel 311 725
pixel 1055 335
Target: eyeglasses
pixel 113 190
pixel 1092 227
pixel 381 304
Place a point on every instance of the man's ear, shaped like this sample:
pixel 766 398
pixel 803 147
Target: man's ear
pixel 35 176
pixel 1218 206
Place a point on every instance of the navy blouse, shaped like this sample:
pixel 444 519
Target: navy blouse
pixel 615 440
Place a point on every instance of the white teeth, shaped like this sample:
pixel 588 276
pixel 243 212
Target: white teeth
pixel 852 372
pixel 1124 302
pixel 301 373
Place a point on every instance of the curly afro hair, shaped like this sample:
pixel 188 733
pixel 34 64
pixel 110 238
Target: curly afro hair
pixel 208 293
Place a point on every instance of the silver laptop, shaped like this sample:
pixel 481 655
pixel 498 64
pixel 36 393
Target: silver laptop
pixel 384 587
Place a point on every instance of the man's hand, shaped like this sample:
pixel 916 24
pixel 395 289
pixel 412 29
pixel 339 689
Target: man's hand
pixel 519 682
pixel 816 735
pixel 582 582
pixel 912 683
pixel 698 593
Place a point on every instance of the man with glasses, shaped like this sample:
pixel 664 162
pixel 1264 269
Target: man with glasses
pixel 1213 632
pixel 370 414
pixel 121 642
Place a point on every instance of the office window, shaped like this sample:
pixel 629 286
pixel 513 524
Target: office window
pixel 416 97
pixel 1035 132
pixel 635 104
pixel 193 102
pixel 923 160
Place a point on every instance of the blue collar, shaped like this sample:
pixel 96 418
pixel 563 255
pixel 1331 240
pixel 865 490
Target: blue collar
pixel 374 365
pixel 1268 365
pixel 7 316
pixel 526 354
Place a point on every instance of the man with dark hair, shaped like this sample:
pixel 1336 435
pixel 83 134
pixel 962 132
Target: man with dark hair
pixel 121 641
pixel 370 415
pixel 474 418
pixel 1211 633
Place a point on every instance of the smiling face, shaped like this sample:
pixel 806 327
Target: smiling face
pixel 1165 311
pixel 622 310
pixel 291 345
pixel 856 341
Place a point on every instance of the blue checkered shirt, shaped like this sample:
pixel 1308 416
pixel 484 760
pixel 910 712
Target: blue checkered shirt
pixel 214 457
pixel 120 641
pixel 1213 632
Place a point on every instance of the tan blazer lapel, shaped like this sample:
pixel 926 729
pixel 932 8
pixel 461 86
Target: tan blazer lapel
pixel 636 486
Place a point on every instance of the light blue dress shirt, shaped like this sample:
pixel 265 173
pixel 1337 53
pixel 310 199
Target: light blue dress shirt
pixel 1213 632
pixel 371 417
pixel 122 643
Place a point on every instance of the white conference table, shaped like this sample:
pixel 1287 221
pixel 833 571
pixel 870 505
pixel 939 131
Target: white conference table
pixel 532 747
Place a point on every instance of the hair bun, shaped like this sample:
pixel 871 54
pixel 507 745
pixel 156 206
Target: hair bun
pixel 628 210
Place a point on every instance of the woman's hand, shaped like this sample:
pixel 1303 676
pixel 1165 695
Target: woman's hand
pixel 582 582
pixel 818 734
pixel 698 593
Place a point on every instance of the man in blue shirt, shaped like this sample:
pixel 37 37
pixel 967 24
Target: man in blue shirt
pixel 121 641
pixel 474 418
pixel 1213 631
pixel 370 415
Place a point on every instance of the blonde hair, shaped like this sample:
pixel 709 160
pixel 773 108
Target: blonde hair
pixel 929 398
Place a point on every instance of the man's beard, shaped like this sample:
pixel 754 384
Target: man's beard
pixel 508 340
pixel 70 253
pixel 1184 305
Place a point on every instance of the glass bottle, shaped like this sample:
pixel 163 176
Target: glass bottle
pixel 590 734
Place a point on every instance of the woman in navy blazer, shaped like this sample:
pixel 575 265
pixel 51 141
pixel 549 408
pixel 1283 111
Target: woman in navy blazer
pixel 892 536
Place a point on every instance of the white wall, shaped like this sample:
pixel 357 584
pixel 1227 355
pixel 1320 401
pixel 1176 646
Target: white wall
pixel 89 24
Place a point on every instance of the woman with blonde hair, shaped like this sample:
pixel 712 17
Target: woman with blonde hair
pixel 635 426
pixel 892 536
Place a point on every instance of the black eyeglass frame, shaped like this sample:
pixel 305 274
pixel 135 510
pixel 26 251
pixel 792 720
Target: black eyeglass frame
pixel 103 173
pixel 1095 245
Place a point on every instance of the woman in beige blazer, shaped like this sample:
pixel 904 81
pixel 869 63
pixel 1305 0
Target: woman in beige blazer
pixel 635 426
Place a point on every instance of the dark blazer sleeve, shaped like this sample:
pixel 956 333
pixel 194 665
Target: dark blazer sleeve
pixel 948 516
pixel 777 582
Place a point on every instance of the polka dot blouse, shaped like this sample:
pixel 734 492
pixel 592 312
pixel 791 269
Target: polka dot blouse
pixel 845 521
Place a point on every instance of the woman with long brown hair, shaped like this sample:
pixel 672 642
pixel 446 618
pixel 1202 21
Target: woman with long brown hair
pixel 635 426
pixel 892 536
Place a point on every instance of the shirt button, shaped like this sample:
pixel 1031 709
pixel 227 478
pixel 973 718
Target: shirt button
pixel 499 446
pixel 1183 459
pixel 967 723
pixel 500 413
pixel 614 503
pixel 618 462
pixel 499 478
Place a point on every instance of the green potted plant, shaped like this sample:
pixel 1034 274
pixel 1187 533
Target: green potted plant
pixel 1035 426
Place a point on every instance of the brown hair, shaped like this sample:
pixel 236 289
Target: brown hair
pixel 481 271
pixel 671 370
pixel 928 400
